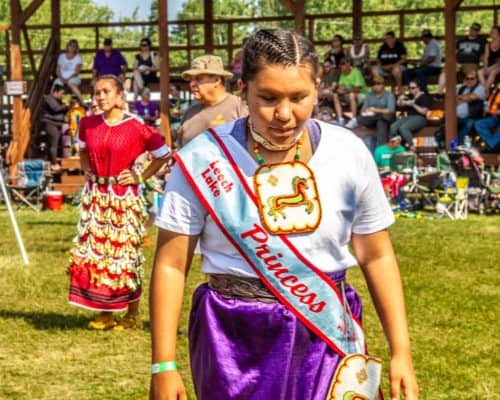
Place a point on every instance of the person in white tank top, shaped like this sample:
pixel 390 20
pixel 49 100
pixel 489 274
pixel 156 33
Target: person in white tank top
pixel 359 54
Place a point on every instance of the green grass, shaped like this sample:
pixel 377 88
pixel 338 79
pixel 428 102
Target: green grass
pixel 450 271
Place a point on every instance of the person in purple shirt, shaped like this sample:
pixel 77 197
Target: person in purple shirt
pixel 109 61
pixel 145 108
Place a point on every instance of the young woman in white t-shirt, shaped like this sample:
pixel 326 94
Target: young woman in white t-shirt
pixel 68 69
pixel 244 342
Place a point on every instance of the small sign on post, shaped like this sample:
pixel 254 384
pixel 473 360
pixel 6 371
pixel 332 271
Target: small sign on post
pixel 16 88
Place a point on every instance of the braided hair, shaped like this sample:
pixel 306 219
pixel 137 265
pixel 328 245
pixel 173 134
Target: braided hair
pixel 277 46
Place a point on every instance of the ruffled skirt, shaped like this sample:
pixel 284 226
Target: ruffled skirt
pixel 106 267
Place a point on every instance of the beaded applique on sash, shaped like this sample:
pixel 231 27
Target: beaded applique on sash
pixel 287 197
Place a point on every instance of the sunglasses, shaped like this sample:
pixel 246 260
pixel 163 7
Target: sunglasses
pixel 144 45
pixel 378 83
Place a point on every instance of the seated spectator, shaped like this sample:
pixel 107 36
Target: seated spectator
pixel 429 64
pixel 328 84
pixel 215 105
pixel 470 98
pixel 416 106
pixel 146 109
pixel 68 68
pixel 236 65
pixel 378 110
pixel 94 108
pixel 351 90
pixel 336 52
pixel 392 181
pixel 108 61
pixel 391 59
pixel 470 53
pixel 146 65
pixel 384 153
pixel 53 116
pixel 488 74
pixel 175 107
pixel 359 54
pixel 488 128
pixel 75 113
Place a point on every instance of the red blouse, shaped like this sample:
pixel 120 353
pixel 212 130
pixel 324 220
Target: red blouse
pixel 114 148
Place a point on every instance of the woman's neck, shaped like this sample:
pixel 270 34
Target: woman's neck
pixel 272 157
pixel 114 115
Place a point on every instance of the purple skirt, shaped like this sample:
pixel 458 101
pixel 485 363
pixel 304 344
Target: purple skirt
pixel 249 350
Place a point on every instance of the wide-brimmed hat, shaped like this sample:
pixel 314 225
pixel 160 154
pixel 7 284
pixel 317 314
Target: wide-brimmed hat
pixel 207 64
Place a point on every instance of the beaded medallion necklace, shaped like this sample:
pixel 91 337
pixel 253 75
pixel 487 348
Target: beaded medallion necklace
pixel 259 140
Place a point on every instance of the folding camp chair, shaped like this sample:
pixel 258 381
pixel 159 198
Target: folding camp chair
pixel 32 180
pixel 405 163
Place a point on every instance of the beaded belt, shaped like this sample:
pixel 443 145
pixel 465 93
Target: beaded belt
pixel 243 288
pixel 103 180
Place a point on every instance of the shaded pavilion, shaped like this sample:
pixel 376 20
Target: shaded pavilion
pixel 25 112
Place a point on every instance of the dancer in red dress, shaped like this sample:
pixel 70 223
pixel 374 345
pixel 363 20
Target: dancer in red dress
pixel 106 261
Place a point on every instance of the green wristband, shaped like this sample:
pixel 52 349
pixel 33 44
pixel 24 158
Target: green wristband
pixel 164 366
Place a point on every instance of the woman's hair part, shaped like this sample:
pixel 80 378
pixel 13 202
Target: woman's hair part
pixel 277 47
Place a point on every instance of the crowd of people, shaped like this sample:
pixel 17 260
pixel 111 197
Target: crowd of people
pixel 348 74
pixel 353 89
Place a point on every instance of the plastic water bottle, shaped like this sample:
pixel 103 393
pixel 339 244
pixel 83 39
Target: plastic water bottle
pixel 453 144
pixel 467 142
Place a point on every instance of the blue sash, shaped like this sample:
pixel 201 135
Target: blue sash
pixel 305 290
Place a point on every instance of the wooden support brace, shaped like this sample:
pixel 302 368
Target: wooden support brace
pixel 29 11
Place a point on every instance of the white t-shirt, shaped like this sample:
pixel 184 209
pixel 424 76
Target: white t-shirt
pixel 68 66
pixel 351 195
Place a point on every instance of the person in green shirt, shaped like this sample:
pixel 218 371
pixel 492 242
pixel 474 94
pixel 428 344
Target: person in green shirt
pixel 384 153
pixel 351 90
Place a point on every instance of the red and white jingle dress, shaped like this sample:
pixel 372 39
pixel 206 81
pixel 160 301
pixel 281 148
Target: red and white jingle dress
pixel 106 261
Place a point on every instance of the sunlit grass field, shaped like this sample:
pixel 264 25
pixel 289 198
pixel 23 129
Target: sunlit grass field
pixel 450 271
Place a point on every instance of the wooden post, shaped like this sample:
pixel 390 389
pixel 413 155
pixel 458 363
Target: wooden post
pixel 300 16
pixel 450 70
pixel 164 70
pixel 357 15
pixel 209 26
pixel 16 74
pixel 55 8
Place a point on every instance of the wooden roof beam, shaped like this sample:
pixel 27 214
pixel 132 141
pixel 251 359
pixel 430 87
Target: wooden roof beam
pixel 30 10
pixel 456 6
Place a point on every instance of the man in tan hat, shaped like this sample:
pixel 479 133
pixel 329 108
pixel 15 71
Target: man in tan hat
pixel 215 105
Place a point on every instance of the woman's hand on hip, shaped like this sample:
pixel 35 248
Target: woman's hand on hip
pixel 403 379
pixel 128 177
pixel 167 386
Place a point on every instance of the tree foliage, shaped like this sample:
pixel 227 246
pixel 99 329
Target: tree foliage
pixel 324 28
